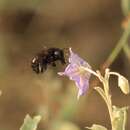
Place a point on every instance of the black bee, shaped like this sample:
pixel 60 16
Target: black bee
pixel 47 57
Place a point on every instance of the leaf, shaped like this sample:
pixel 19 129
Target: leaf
pixel 96 127
pixel 119 117
pixel 125 6
pixel 123 84
pixel 30 123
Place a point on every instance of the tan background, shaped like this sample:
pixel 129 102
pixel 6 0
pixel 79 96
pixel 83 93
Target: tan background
pixel 91 27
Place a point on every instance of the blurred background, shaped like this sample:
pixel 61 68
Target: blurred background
pixel 91 27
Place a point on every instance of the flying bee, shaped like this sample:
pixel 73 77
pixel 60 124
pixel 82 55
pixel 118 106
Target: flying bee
pixel 47 57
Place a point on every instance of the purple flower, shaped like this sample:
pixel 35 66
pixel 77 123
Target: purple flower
pixel 76 72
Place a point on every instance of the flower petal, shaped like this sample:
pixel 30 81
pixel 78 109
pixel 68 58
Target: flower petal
pixel 76 72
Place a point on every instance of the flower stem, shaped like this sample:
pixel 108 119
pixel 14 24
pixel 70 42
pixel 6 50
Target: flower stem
pixel 114 73
pixel 109 102
pixel 91 71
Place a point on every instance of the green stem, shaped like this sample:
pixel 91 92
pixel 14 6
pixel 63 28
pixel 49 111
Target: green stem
pixel 118 47
pixel 126 49
pixel 109 102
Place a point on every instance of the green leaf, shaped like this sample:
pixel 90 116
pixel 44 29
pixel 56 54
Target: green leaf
pixel 123 84
pixel 30 123
pixel 97 127
pixel 125 7
pixel 119 118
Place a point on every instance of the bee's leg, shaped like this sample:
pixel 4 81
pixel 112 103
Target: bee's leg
pixel 53 64
pixel 36 70
pixel 42 68
pixel 45 67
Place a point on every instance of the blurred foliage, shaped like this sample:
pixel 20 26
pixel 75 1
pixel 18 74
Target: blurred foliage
pixel 14 4
pixel 125 7
pixel 64 125
pixel 29 123
pixel 3 58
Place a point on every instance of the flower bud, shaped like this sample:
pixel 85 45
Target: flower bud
pixel 123 84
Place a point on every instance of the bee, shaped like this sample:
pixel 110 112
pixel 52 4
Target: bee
pixel 48 56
